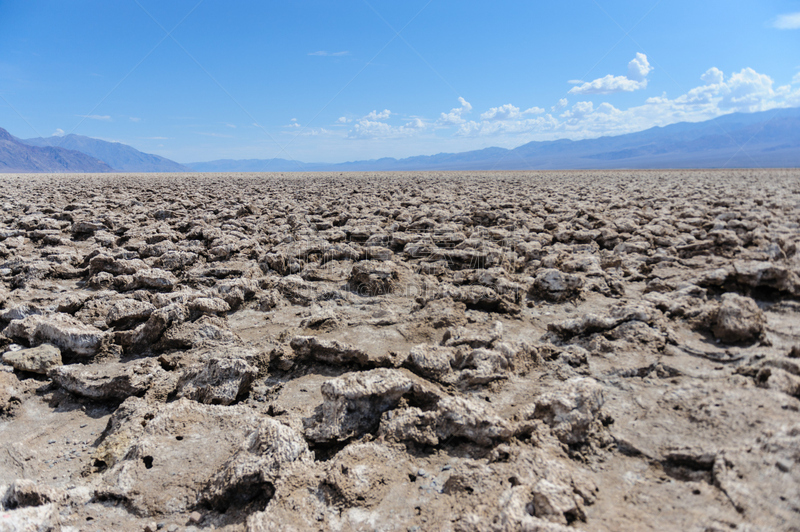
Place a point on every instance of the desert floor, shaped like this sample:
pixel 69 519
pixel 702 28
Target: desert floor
pixel 457 351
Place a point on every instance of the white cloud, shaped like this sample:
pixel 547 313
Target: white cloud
pixel 539 124
pixel 373 129
pixel 509 112
pixel 788 21
pixel 58 132
pixel 747 91
pixel 323 53
pixel 375 115
pixel 712 76
pixel 314 132
pixel 454 116
pixel 578 111
pixel 134 118
pixel 608 85
pixel 508 125
pixel 563 102
pixel 97 117
pixel 231 126
pixel 504 112
pixel 638 68
pixel 341 120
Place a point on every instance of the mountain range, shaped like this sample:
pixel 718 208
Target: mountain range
pixel 16 156
pixel 763 139
pixel 120 157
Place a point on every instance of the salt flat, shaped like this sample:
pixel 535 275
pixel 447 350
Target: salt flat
pixel 490 351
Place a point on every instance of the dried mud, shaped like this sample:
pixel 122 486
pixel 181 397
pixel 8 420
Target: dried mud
pixel 431 351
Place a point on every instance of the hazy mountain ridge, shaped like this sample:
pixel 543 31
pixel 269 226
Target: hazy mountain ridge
pixel 764 139
pixel 120 157
pixel 17 156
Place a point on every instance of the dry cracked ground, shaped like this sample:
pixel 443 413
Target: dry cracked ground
pixel 469 352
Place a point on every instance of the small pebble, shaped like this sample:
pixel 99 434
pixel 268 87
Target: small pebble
pixel 51 441
pixel 783 465
pixel 195 517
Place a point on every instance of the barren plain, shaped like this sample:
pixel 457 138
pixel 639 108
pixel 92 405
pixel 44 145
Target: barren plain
pixel 538 351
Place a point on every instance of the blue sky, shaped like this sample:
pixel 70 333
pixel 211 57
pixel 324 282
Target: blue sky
pixel 335 81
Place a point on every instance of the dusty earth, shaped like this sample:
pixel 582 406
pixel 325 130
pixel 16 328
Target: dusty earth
pixel 439 351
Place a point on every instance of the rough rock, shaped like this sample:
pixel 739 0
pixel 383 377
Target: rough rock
pixel 738 319
pixel 61 330
pixel 553 285
pixel 354 403
pixel 572 410
pixel 453 417
pixel 113 380
pixel 35 360
pixel 219 381
pixel 168 458
pixel 334 352
pixel 129 310
pixel 35 519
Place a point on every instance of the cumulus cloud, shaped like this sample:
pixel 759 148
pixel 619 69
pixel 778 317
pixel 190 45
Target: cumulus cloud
pixel 712 76
pixel 563 102
pixel 374 129
pixel 341 120
pixel 607 85
pixel 375 115
pixel 509 112
pixel 539 124
pixel 742 91
pixel 578 111
pixel 638 69
pixel 454 117
pixel 788 21
pixel 323 53
pixel 747 91
pixel 716 94
pixel 58 132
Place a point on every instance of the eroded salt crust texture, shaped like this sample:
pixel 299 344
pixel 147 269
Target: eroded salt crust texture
pixel 428 351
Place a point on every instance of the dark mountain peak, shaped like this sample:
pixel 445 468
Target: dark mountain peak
pixel 5 135
pixel 15 156
pixel 117 155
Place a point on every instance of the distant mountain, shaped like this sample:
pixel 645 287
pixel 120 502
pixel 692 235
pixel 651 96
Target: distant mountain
pixel 765 139
pixel 16 156
pixel 118 156
pixel 249 165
